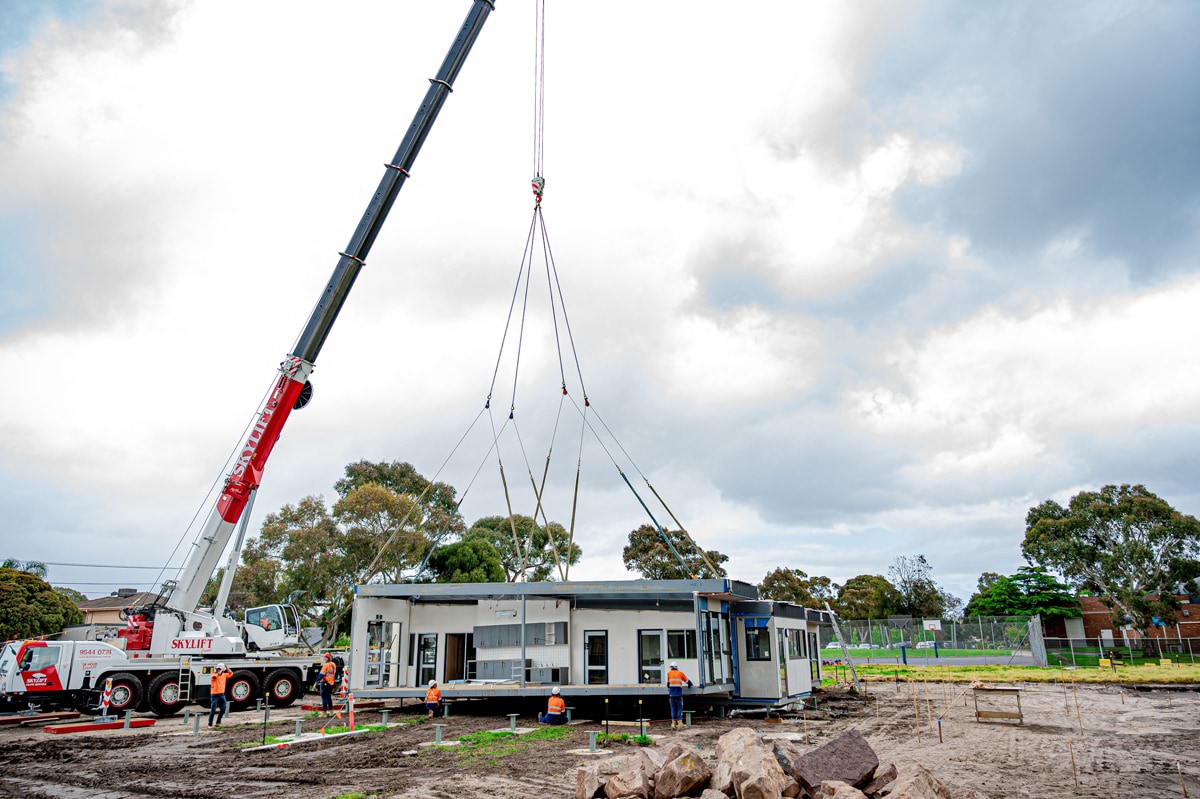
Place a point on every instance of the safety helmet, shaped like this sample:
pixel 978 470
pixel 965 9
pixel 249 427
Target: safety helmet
pixel 555 691
pixel 328 656
pixel 432 683
pixel 220 667
pixel 674 665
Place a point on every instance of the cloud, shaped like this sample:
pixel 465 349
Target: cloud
pixel 846 282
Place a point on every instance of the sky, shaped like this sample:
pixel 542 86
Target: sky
pixel 846 281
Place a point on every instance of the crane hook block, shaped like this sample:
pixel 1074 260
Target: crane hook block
pixel 539 188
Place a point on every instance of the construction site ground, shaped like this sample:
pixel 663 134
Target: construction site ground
pixel 1132 744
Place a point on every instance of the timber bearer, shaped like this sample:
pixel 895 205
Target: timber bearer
pixel 556 709
pixel 675 681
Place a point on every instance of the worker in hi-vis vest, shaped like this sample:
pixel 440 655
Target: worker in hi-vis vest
pixel 556 709
pixel 328 678
pixel 675 681
pixel 216 692
pixel 433 698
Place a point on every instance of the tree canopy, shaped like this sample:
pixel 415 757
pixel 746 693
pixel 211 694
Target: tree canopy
pixel 1029 592
pixel 648 555
pixel 34 567
pixel 1123 543
pixel 535 545
pixel 920 596
pixel 795 586
pixel 868 596
pixel 472 560
pixel 30 608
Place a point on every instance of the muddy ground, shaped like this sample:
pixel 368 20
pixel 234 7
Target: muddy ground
pixel 1130 745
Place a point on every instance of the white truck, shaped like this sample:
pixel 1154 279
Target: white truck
pixel 160 659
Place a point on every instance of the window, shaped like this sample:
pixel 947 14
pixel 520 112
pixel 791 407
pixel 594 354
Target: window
pixel 758 643
pixel 681 644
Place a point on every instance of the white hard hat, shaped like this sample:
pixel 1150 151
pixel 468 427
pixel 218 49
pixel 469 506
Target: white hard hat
pixel 221 666
pixel 674 665
pixel 555 691
pixel 432 683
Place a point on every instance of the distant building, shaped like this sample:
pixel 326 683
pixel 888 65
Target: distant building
pixel 107 610
pixel 1096 622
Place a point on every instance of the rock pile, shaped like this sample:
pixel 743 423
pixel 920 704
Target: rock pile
pixel 747 767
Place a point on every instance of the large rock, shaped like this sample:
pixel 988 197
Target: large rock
pixel 835 789
pixel 757 774
pixel 631 779
pixel 619 776
pixel 590 779
pixel 712 793
pixel 882 778
pixel 847 758
pixel 915 782
pixel 785 753
pixel 729 751
pixel 681 775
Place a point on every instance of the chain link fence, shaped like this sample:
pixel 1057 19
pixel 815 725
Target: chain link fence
pixel 882 639
pixel 1088 652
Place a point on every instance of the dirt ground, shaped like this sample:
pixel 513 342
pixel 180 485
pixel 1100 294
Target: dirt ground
pixel 1130 744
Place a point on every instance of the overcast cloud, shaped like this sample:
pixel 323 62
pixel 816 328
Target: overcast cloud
pixel 848 281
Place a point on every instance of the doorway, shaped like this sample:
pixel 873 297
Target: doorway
pixel 426 658
pixel 595 656
pixel 650 657
pixel 383 652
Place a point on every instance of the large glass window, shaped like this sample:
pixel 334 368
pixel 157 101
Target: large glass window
pixel 681 644
pixel 795 645
pixel 427 658
pixel 758 643
pixel 595 644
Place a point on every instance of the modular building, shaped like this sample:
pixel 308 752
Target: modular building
pixel 610 638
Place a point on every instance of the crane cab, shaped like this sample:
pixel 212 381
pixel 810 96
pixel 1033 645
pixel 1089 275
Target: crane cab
pixel 271 627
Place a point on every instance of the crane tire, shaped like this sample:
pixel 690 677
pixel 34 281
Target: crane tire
pixel 284 686
pixel 243 690
pixel 126 691
pixel 164 694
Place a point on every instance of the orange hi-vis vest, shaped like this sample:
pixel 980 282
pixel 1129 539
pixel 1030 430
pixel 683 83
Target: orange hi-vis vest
pixel 557 706
pixel 433 695
pixel 676 678
pixel 328 671
pixel 218 682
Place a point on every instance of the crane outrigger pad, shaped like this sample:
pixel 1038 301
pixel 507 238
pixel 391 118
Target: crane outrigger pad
pixel 91 726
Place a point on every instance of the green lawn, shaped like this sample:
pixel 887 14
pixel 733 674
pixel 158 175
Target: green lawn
pixel 894 654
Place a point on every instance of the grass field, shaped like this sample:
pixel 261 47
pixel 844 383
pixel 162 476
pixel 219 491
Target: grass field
pixel 1127 675
pixel 894 654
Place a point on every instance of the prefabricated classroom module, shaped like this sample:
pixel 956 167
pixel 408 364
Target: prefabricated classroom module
pixel 609 638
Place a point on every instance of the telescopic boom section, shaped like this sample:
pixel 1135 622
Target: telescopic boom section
pixel 246 474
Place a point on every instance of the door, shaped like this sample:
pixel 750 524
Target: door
pixel 782 648
pixel 383 651
pixel 814 659
pixel 426 658
pixel 595 656
pixel 43 666
pixel 456 656
pixel 650 657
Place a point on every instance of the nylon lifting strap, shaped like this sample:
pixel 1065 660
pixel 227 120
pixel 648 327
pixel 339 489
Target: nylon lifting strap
pixel 661 532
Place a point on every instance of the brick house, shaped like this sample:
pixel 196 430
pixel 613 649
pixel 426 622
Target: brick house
pixel 1096 622
pixel 107 610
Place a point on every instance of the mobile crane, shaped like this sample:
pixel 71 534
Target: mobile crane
pixel 157 661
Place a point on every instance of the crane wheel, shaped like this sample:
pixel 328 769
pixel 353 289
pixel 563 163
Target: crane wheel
pixel 243 690
pixel 165 695
pixel 284 686
pixel 126 692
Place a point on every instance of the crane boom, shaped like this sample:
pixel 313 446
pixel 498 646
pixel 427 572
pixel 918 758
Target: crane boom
pixel 291 389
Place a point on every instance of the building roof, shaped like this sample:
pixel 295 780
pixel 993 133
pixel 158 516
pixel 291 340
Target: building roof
pixel 117 602
pixel 720 588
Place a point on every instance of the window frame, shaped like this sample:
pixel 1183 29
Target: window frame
pixel 689 644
